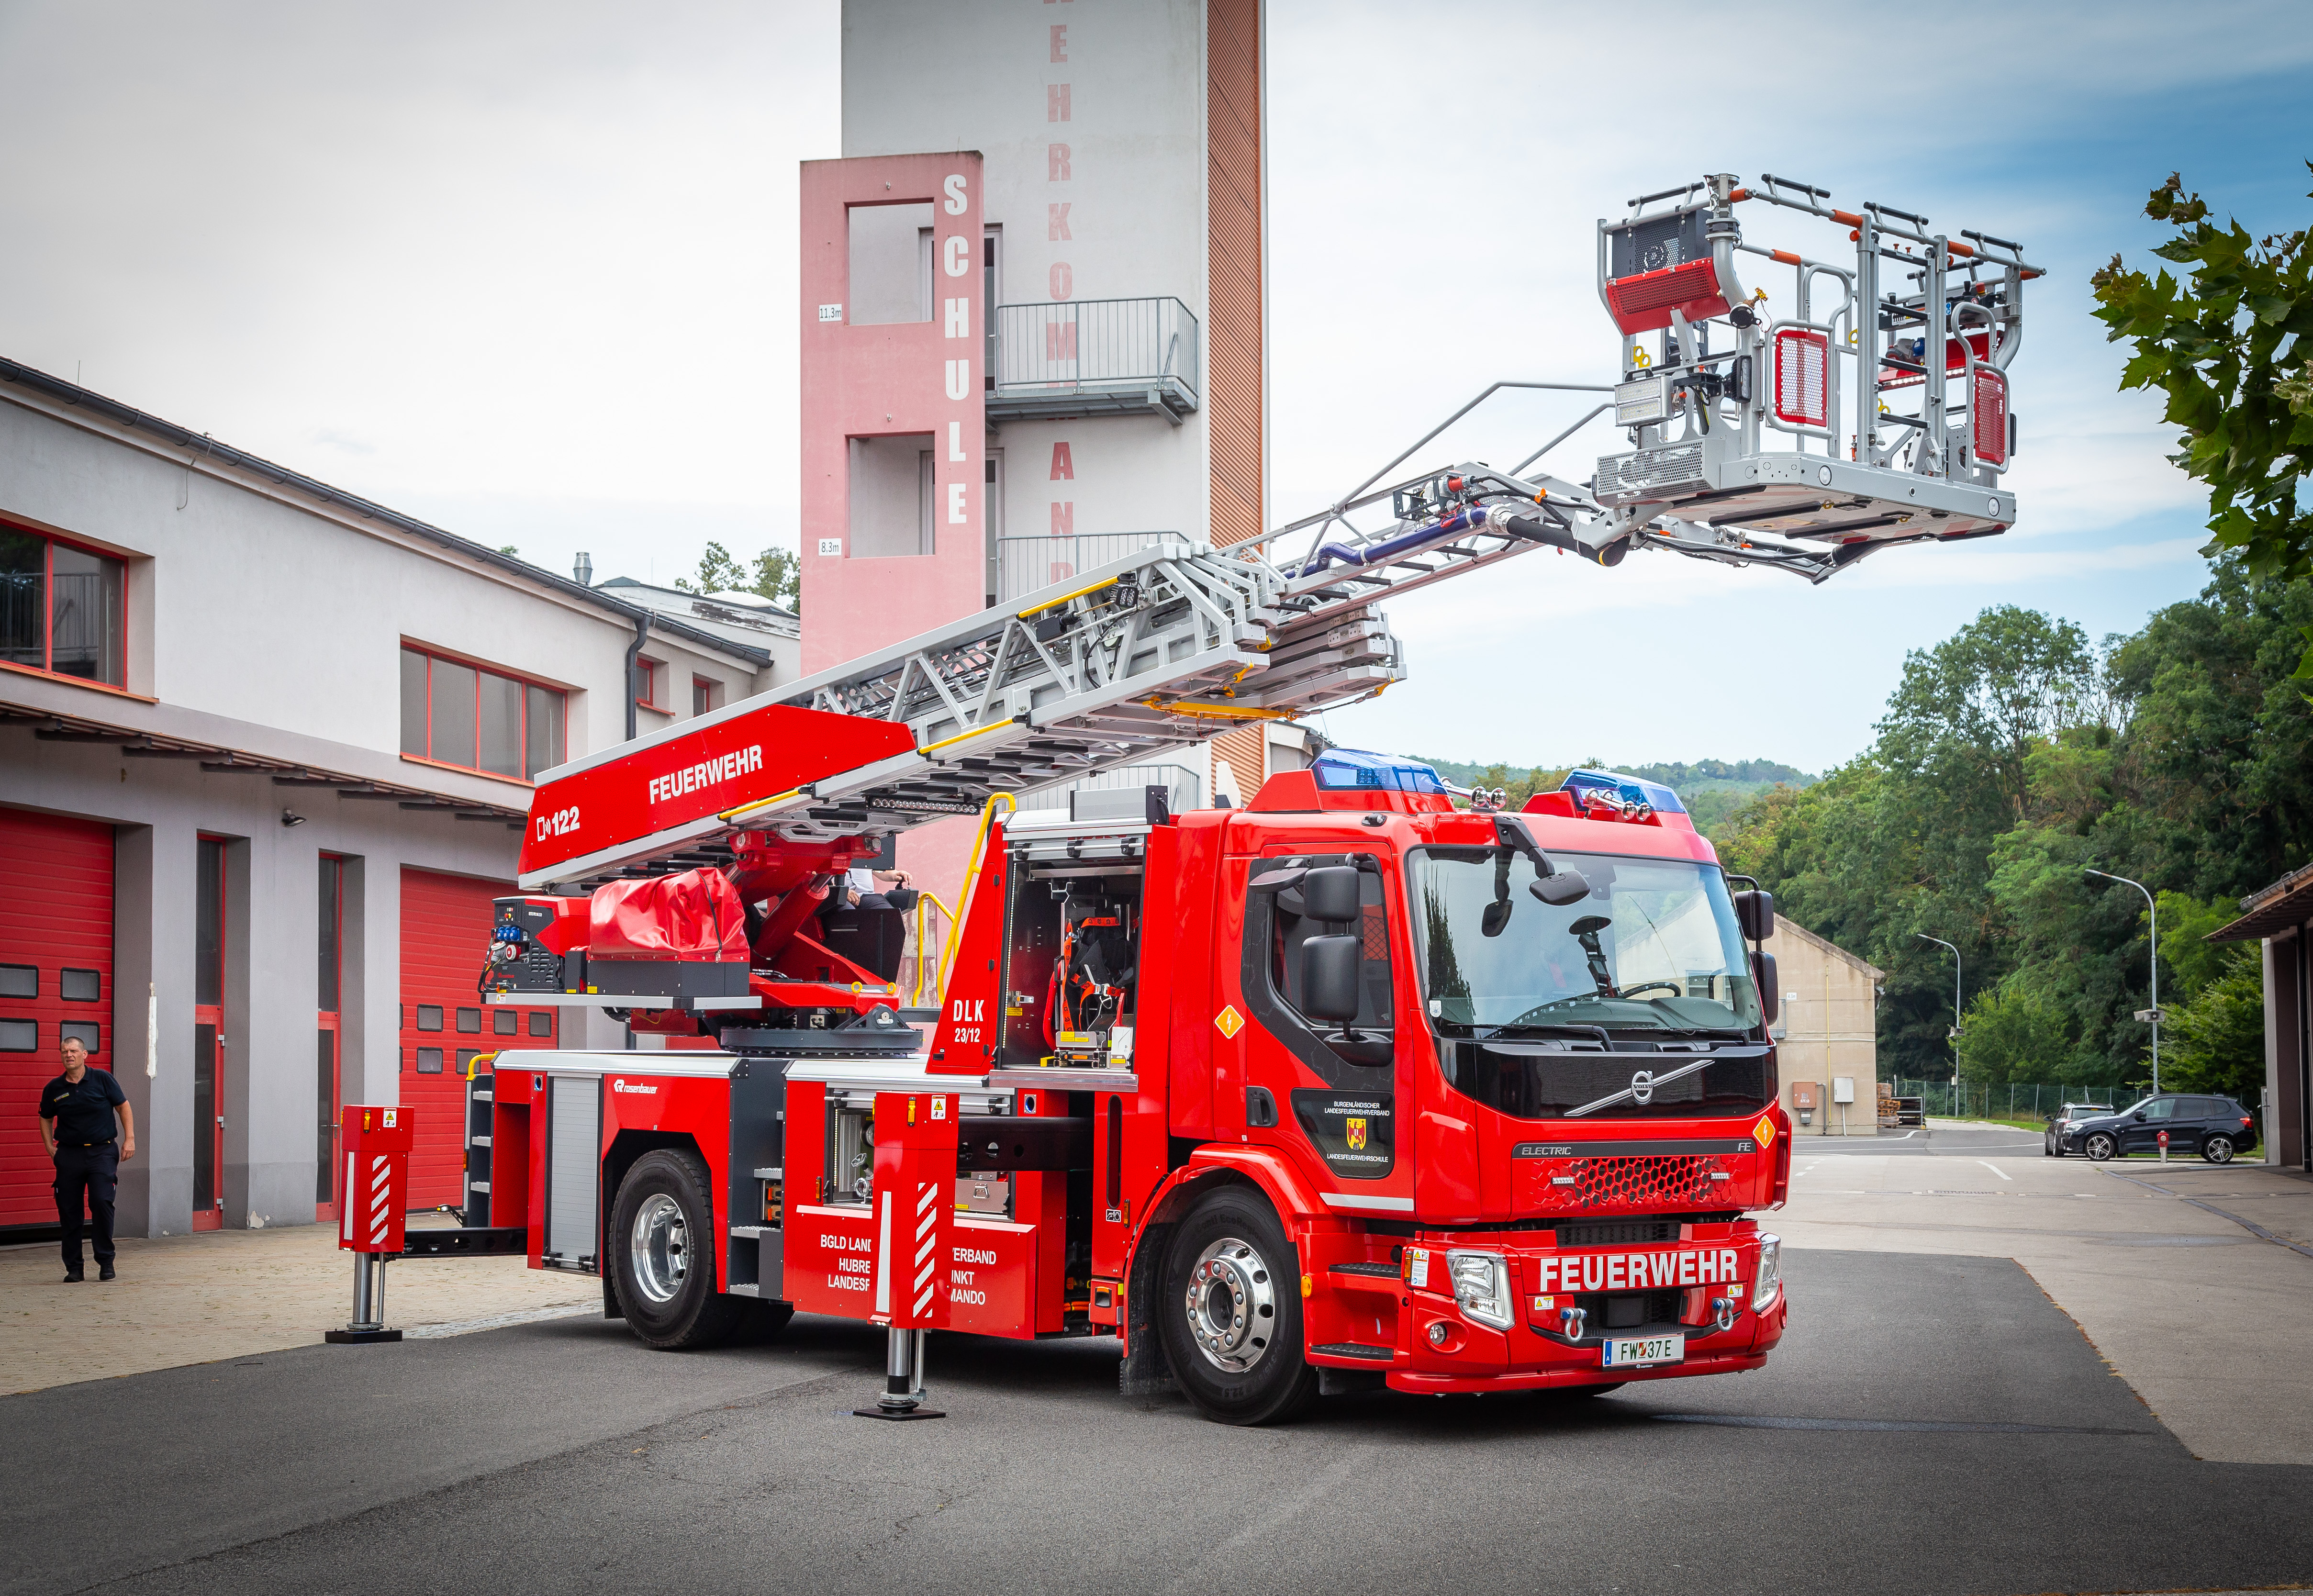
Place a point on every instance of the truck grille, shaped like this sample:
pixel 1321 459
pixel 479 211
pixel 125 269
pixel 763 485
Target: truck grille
pixel 1618 1233
pixel 1649 1180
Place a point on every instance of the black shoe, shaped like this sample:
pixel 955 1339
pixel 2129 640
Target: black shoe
pixel 104 1271
pixel 71 1277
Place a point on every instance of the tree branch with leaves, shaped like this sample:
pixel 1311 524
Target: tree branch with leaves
pixel 2233 347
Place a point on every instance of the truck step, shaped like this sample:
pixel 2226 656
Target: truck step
pixel 1351 1349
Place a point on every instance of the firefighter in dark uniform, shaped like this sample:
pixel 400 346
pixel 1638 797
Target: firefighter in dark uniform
pixel 77 1110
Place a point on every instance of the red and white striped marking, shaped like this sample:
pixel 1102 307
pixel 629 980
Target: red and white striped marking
pixel 927 1247
pixel 380 1200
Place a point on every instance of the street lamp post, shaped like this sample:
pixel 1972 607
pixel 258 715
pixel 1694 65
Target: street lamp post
pixel 1939 942
pixel 2154 905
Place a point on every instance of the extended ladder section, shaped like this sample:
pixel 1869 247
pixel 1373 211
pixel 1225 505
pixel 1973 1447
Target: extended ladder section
pixel 1871 411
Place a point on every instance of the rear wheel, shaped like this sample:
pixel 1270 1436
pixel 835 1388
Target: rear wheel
pixel 2100 1147
pixel 661 1247
pixel 2048 1144
pixel 2218 1149
pixel 1231 1313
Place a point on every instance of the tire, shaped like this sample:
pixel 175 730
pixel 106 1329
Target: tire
pixel 1231 1312
pixel 2218 1149
pixel 662 1240
pixel 2048 1144
pixel 2100 1147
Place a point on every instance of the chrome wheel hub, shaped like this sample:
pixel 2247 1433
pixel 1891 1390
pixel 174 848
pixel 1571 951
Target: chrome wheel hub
pixel 661 1245
pixel 1231 1305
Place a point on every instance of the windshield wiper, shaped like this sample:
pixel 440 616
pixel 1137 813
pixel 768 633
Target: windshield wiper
pixel 1555 1029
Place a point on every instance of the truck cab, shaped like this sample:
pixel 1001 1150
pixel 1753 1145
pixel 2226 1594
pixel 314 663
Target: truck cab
pixel 1502 1081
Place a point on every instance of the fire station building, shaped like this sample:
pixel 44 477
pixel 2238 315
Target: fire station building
pixel 264 753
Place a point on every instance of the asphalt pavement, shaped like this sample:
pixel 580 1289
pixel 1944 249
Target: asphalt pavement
pixel 1958 1138
pixel 1931 1423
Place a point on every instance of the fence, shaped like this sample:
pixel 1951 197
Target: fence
pixel 2008 1099
pixel 1097 343
pixel 1023 564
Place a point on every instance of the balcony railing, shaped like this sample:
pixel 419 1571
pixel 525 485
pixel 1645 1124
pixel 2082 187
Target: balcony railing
pixel 1095 357
pixel 1023 564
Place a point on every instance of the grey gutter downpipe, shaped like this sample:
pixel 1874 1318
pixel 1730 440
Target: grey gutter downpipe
pixel 68 393
pixel 634 652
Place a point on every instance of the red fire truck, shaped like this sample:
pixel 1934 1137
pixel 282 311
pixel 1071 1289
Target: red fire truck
pixel 1344 1088
pixel 1348 1088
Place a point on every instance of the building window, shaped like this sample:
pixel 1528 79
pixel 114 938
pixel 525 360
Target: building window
pixel 461 714
pixel 429 1016
pixel 505 1023
pixel 81 985
pixel 89 1034
pixel 61 609
pixel 650 684
pixel 542 1023
pixel 706 694
pixel 429 1061
pixel 20 980
pixel 20 1036
pixel 470 1021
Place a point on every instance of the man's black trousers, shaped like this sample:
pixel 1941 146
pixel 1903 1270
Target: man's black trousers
pixel 89 1173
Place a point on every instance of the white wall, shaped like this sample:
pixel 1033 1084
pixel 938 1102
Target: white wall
pixel 921 76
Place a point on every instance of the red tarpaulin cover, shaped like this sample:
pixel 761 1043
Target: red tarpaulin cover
pixel 696 915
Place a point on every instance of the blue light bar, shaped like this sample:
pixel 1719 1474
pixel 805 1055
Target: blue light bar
pixel 1628 788
pixel 1348 770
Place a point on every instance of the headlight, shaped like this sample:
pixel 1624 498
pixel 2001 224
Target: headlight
pixel 1482 1287
pixel 1769 1285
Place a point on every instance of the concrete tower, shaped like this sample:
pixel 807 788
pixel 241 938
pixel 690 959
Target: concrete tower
pixel 1033 317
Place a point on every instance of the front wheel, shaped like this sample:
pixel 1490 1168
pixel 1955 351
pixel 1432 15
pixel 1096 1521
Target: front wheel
pixel 2100 1147
pixel 2048 1144
pixel 1231 1313
pixel 2218 1149
pixel 663 1248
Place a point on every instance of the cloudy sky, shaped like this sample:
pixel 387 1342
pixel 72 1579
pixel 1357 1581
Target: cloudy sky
pixel 527 271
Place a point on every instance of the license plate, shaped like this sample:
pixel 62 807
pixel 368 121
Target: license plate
pixel 1636 1352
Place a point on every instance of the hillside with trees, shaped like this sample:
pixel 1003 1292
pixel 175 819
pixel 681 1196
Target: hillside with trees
pixel 1711 789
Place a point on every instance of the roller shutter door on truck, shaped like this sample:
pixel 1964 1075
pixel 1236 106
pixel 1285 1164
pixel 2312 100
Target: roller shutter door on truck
pixel 55 979
pixel 445 929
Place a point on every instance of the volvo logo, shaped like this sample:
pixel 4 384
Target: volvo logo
pixel 1643 1087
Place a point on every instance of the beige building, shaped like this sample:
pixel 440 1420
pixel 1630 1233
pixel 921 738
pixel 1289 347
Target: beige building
pixel 1826 1035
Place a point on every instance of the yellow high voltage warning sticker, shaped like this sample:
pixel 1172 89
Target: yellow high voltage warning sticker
pixel 1765 1131
pixel 1230 1022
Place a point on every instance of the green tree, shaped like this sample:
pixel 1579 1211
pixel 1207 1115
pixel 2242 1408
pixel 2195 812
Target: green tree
pixel 2014 1033
pixel 776 575
pixel 2216 1042
pixel 2232 348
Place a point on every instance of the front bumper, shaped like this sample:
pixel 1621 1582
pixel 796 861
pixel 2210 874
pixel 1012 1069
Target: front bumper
pixel 1677 1286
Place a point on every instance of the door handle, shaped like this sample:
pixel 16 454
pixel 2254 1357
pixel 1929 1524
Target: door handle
pixel 220 1122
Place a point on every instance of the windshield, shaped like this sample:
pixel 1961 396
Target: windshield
pixel 1654 947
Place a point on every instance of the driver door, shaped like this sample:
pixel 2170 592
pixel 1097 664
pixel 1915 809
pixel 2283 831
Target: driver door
pixel 2141 1133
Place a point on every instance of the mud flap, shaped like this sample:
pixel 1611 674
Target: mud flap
pixel 1348 1382
pixel 1144 1371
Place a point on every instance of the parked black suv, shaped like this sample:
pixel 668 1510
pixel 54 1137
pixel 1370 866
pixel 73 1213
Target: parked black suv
pixel 2215 1127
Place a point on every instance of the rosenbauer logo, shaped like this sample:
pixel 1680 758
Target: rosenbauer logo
pixel 706 773
pixel 619 1085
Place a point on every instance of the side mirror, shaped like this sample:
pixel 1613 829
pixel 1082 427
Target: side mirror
pixel 2139 1116
pixel 1331 893
pixel 1754 912
pixel 1329 976
pixel 1568 886
pixel 1771 996
pixel 1496 918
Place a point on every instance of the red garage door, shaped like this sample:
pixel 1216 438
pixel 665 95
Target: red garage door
pixel 56 980
pixel 445 930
